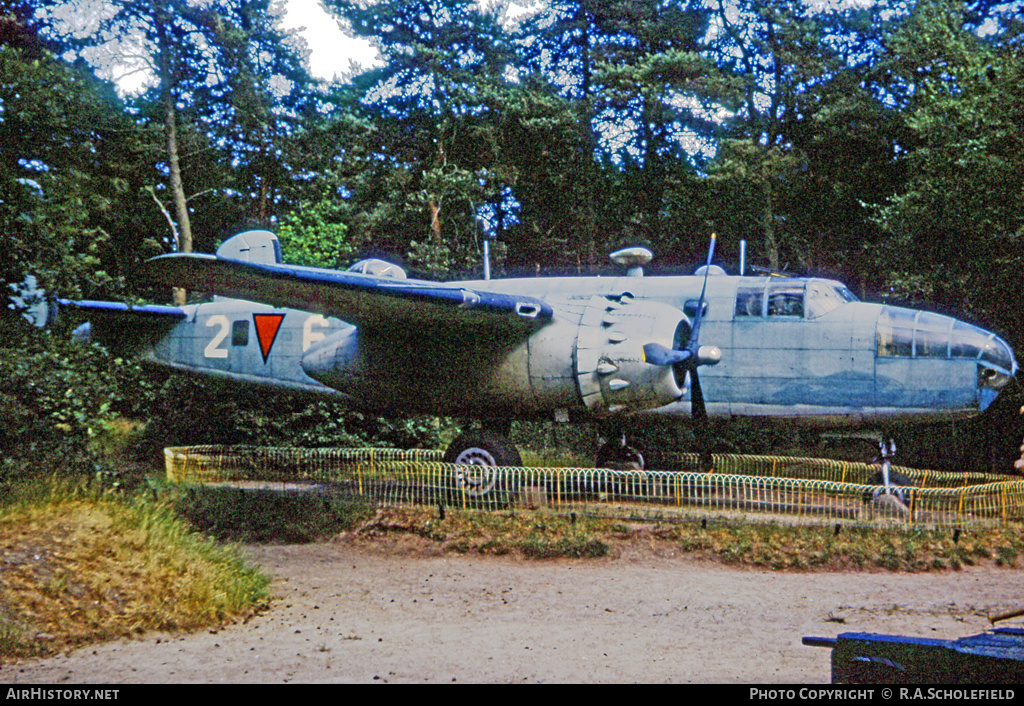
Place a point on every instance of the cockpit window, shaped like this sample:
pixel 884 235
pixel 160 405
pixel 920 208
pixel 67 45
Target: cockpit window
pixel 824 296
pixel 786 299
pixel 777 296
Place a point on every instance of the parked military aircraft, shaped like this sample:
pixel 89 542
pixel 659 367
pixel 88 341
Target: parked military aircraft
pixel 566 348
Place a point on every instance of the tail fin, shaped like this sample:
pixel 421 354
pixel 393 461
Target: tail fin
pixel 260 246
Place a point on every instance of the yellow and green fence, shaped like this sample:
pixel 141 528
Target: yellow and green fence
pixel 757 488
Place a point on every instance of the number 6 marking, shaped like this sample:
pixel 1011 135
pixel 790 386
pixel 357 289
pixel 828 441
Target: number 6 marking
pixel 213 350
pixel 309 336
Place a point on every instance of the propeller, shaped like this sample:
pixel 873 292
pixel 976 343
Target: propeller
pixel 688 359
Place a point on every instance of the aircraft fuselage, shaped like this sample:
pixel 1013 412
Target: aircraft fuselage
pixel 791 348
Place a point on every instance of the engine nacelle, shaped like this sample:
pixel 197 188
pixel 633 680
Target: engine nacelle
pixel 610 369
pixel 587 362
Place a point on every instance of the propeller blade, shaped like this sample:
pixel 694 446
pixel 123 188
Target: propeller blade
pixel 701 423
pixel 691 353
pixel 698 410
pixel 690 357
pixel 694 343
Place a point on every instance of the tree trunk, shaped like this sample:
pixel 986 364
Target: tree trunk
pixel 771 243
pixel 183 234
pixel 434 206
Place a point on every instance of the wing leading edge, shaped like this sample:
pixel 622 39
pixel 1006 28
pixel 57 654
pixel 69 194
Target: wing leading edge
pixel 362 300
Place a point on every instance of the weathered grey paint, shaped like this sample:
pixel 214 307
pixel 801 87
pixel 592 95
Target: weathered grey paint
pixel 823 370
pixel 573 347
pixel 202 344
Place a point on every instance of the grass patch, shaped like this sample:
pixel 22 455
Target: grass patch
pixel 774 546
pixel 528 534
pixel 853 548
pixel 266 515
pixel 77 568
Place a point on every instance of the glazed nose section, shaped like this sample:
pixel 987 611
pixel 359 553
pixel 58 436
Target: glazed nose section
pixel 908 333
pixel 996 364
pixel 998 354
pixel 998 357
pixel 996 370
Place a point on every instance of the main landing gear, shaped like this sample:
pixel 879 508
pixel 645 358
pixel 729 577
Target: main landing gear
pixel 481 453
pixel 617 455
pixel 891 486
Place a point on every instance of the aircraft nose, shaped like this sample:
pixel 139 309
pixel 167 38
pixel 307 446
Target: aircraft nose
pixel 998 353
pixel 908 333
pixel 996 364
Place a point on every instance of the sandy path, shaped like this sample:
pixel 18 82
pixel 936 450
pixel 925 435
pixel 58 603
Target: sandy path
pixel 350 614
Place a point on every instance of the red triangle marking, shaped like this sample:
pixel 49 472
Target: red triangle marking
pixel 267 326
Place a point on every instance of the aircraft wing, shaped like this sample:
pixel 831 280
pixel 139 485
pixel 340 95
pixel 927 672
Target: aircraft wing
pixel 363 300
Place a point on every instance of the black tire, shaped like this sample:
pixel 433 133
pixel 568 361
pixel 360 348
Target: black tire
pixel 619 457
pixel 479 453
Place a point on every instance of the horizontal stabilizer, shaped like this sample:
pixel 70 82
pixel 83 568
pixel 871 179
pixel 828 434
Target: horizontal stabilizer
pixel 126 329
pixel 151 313
pixel 363 300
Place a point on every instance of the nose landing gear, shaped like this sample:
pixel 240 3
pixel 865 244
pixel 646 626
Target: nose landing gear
pixel 895 487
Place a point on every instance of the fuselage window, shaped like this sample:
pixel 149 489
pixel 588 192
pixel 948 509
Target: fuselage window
pixel 904 333
pixel 749 301
pixel 895 332
pixel 240 333
pixel 931 337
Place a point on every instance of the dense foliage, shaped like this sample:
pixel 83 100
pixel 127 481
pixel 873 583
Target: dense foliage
pixel 883 145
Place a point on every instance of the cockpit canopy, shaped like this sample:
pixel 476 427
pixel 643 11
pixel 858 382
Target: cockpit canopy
pixel 378 268
pixel 781 296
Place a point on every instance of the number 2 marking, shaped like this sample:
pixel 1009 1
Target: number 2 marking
pixel 216 349
pixel 213 349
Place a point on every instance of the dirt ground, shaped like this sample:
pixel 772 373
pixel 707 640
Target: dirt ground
pixel 363 613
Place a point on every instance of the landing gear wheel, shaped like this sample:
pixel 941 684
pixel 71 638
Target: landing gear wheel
pixel 619 457
pixel 479 454
pixel 900 487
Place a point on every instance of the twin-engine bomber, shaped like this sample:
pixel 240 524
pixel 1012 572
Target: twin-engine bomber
pixel 562 348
